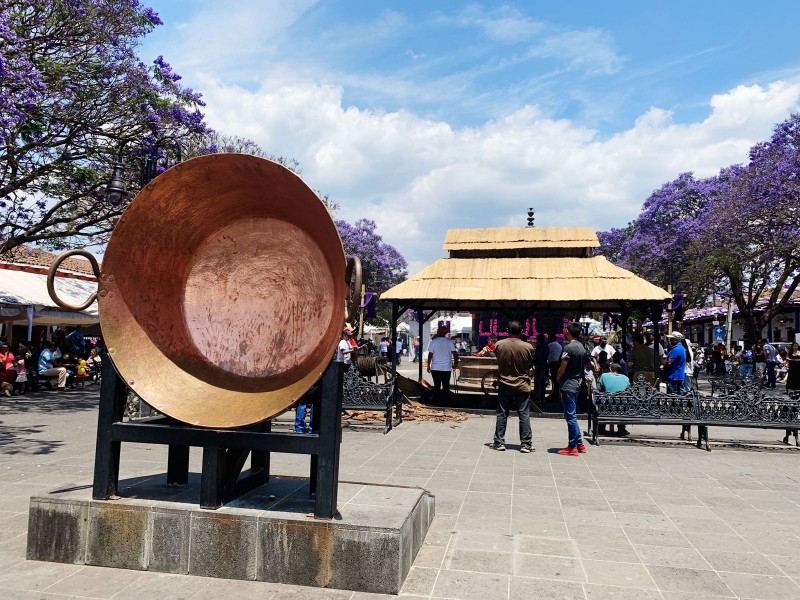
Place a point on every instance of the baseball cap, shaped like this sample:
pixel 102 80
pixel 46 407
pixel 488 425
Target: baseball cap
pixel 676 334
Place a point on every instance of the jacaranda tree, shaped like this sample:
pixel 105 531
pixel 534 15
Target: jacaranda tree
pixel 73 95
pixel 733 235
pixel 382 265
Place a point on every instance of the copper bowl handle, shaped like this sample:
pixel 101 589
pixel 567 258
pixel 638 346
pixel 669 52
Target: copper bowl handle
pixel 353 273
pixel 51 278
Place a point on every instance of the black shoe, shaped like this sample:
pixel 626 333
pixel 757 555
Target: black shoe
pixel 499 447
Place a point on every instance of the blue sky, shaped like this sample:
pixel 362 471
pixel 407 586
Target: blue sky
pixel 431 115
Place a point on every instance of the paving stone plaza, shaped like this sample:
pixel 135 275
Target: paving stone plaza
pixel 646 518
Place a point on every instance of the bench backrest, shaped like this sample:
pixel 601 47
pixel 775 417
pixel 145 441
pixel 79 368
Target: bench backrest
pixel 362 393
pixel 749 403
pixel 643 400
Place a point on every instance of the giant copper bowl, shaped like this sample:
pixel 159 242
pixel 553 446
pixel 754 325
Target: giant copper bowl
pixel 222 291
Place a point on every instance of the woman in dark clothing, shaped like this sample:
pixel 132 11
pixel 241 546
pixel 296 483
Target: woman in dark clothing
pixel 719 360
pixel 792 379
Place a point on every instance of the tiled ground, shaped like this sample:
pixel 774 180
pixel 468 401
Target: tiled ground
pixel 630 519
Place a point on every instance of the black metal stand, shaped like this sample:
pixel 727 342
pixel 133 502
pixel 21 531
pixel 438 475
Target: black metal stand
pixel 225 451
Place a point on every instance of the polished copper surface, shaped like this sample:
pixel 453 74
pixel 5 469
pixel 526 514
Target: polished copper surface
pixel 221 291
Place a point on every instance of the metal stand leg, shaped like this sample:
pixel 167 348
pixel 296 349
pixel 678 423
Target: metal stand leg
pixel 330 437
pixel 178 465
pixel 315 400
pixel 225 453
pixel 212 480
pixel 106 458
pixel 260 459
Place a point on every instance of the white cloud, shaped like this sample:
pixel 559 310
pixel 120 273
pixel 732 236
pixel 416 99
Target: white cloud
pixel 307 82
pixel 430 176
pixel 234 39
pixel 504 24
pixel 591 51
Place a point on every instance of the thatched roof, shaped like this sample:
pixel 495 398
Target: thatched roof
pixel 505 238
pixel 591 282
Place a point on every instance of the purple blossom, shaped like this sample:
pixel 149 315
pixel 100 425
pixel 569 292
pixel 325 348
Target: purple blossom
pixel 383 266
pixel 736 234
pixel 152 16
pixel 72 91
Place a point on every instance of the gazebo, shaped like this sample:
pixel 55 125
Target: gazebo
pixel 520 271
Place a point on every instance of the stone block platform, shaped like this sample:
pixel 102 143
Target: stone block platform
pixel 269 534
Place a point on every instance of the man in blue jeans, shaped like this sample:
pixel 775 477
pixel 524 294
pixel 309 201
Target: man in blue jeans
pixel 675 364
pixel 570 378
pixel 771 357
pixel 514 362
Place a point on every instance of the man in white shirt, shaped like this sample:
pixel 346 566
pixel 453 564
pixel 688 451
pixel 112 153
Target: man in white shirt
pixel 442 355
pixel 603 346
pixel 344 349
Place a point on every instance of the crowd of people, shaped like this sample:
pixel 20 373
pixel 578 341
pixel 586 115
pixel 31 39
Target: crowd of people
pixel 67 360
pixel 574 371
pixel 760 359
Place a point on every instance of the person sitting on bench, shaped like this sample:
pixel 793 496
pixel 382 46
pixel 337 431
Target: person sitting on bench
pixel 49 370
pixel 612 382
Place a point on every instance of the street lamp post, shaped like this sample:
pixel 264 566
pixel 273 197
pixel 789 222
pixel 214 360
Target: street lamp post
pixel 729 324
pixel 116 190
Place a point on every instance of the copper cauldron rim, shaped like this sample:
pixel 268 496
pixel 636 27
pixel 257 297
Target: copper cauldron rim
pixel 208 260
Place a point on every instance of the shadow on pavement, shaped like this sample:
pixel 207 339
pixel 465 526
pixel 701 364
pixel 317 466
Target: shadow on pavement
pixel 52 402
pixel 15 440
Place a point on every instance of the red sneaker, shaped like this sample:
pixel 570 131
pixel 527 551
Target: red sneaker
pixel 568 452
pixel 581 449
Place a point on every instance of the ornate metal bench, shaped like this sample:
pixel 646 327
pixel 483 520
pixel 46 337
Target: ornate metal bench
pixel 731 382
pixel 748 406
pixel 362 394
pixel 643 404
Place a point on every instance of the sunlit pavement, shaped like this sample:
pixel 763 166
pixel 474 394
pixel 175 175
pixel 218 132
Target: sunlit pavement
pixel 647 517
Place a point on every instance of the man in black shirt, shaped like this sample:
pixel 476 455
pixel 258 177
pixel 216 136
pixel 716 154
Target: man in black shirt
pixel 570 378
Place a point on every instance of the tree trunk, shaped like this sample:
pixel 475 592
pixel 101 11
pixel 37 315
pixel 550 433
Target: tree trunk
pixel 751 326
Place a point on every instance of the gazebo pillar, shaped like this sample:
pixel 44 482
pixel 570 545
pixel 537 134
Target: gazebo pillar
pixel 625 313
pixel 393 325
pixel 421 320
pixel 655 316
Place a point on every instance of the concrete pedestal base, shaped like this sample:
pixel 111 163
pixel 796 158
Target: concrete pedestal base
pixel 268 535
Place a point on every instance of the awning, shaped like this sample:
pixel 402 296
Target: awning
pixel 20 289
